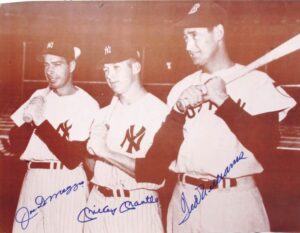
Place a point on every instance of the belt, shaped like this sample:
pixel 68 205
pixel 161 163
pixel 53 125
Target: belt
pixel 207 184
pixel 45 165
pixel 107 192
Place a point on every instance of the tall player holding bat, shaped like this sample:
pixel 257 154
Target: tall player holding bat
pixel 50 127
pixel 238 118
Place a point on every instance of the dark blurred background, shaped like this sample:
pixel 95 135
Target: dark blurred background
pixel 256 27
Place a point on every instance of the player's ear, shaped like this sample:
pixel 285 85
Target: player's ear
pixel 218 32
pixel 72 66
pixel 136 67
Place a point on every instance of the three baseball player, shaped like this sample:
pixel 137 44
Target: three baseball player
pixel 55 186
pixel 229 120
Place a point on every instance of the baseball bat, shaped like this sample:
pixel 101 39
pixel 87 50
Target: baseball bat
pixel 27 116
pixel 282 50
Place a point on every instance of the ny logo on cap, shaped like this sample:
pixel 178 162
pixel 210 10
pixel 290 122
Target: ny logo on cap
pixel 107 49
pixel 50 45
pixel 194 8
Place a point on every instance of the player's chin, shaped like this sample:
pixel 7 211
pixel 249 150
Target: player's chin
pixel 53 85
pixel 115 90
pixel 195 60
pixel 198 61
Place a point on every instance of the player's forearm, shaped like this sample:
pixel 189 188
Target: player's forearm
pixel 70 153
pixel 254 132
pixel 167 141
pixel 19 138
pixel 122 162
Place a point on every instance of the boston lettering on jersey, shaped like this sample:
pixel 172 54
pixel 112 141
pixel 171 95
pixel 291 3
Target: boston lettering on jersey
pixel 198 108
pixel 64 128
pixel 133 140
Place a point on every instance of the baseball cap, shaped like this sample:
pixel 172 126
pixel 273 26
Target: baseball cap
pixel 203 14
pixel 59 49
pixel 117 53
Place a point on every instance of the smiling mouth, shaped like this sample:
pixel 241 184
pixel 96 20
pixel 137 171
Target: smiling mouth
pixel 52 81
pixel 114 83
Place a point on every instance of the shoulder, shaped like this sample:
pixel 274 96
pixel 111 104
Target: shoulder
pixel 86 98
pixel 156 104
pixel 103 114
pixel 41 92
pixel 257 90
pixel 254 79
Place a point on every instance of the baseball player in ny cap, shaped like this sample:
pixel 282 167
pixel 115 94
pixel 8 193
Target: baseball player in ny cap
pixel 49 126
pixel 124 130
pixel 232 127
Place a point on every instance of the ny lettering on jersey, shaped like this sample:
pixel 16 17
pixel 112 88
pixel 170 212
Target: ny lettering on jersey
pixel 63 129
pixel 133 140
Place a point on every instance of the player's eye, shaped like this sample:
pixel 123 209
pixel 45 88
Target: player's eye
pixel 194 35
pixel 116 67
pixel 105 70
pixel 56 64
pixel 185 38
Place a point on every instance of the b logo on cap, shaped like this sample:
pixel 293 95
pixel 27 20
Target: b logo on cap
pixel 50 45
pixel 194 8
pixel 107 49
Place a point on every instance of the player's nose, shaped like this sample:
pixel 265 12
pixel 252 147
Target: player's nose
pixel 49 70
pixel 109 74
pixel 189 45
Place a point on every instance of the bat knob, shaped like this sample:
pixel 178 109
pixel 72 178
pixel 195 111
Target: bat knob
pixel 27 117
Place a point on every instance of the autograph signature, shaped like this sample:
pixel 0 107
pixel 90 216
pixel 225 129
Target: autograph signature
pixel 87 214
pixel 201 193
pixel 24 215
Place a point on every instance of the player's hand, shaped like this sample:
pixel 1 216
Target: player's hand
pixel 96 144
pixel 192 96
pixel 34 111
pixel 216 90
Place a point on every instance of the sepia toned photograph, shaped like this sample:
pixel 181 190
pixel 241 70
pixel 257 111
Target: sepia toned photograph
pixel 149 116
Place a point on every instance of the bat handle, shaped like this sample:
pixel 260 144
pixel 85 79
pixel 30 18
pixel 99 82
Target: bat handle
pixel 190 112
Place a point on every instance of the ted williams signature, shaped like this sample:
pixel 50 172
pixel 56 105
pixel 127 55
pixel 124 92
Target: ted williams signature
pixel 201 193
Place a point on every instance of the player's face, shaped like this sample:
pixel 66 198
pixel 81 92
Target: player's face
pixel 201 45
pixel 57 71
pixel 119 76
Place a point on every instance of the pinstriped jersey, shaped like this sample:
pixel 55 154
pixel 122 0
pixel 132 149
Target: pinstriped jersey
pixel 70 115
pixel 131 129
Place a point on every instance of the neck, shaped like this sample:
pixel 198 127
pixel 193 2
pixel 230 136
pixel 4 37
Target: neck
pixel 69 90
pixel 219 61
pixel 134 94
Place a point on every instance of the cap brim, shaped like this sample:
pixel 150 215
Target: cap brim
pixel 77 53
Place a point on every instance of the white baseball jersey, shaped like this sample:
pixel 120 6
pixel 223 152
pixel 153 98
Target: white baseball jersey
pixel 209 145
pixel 131 132
pixel 131 129
pixel 71 115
